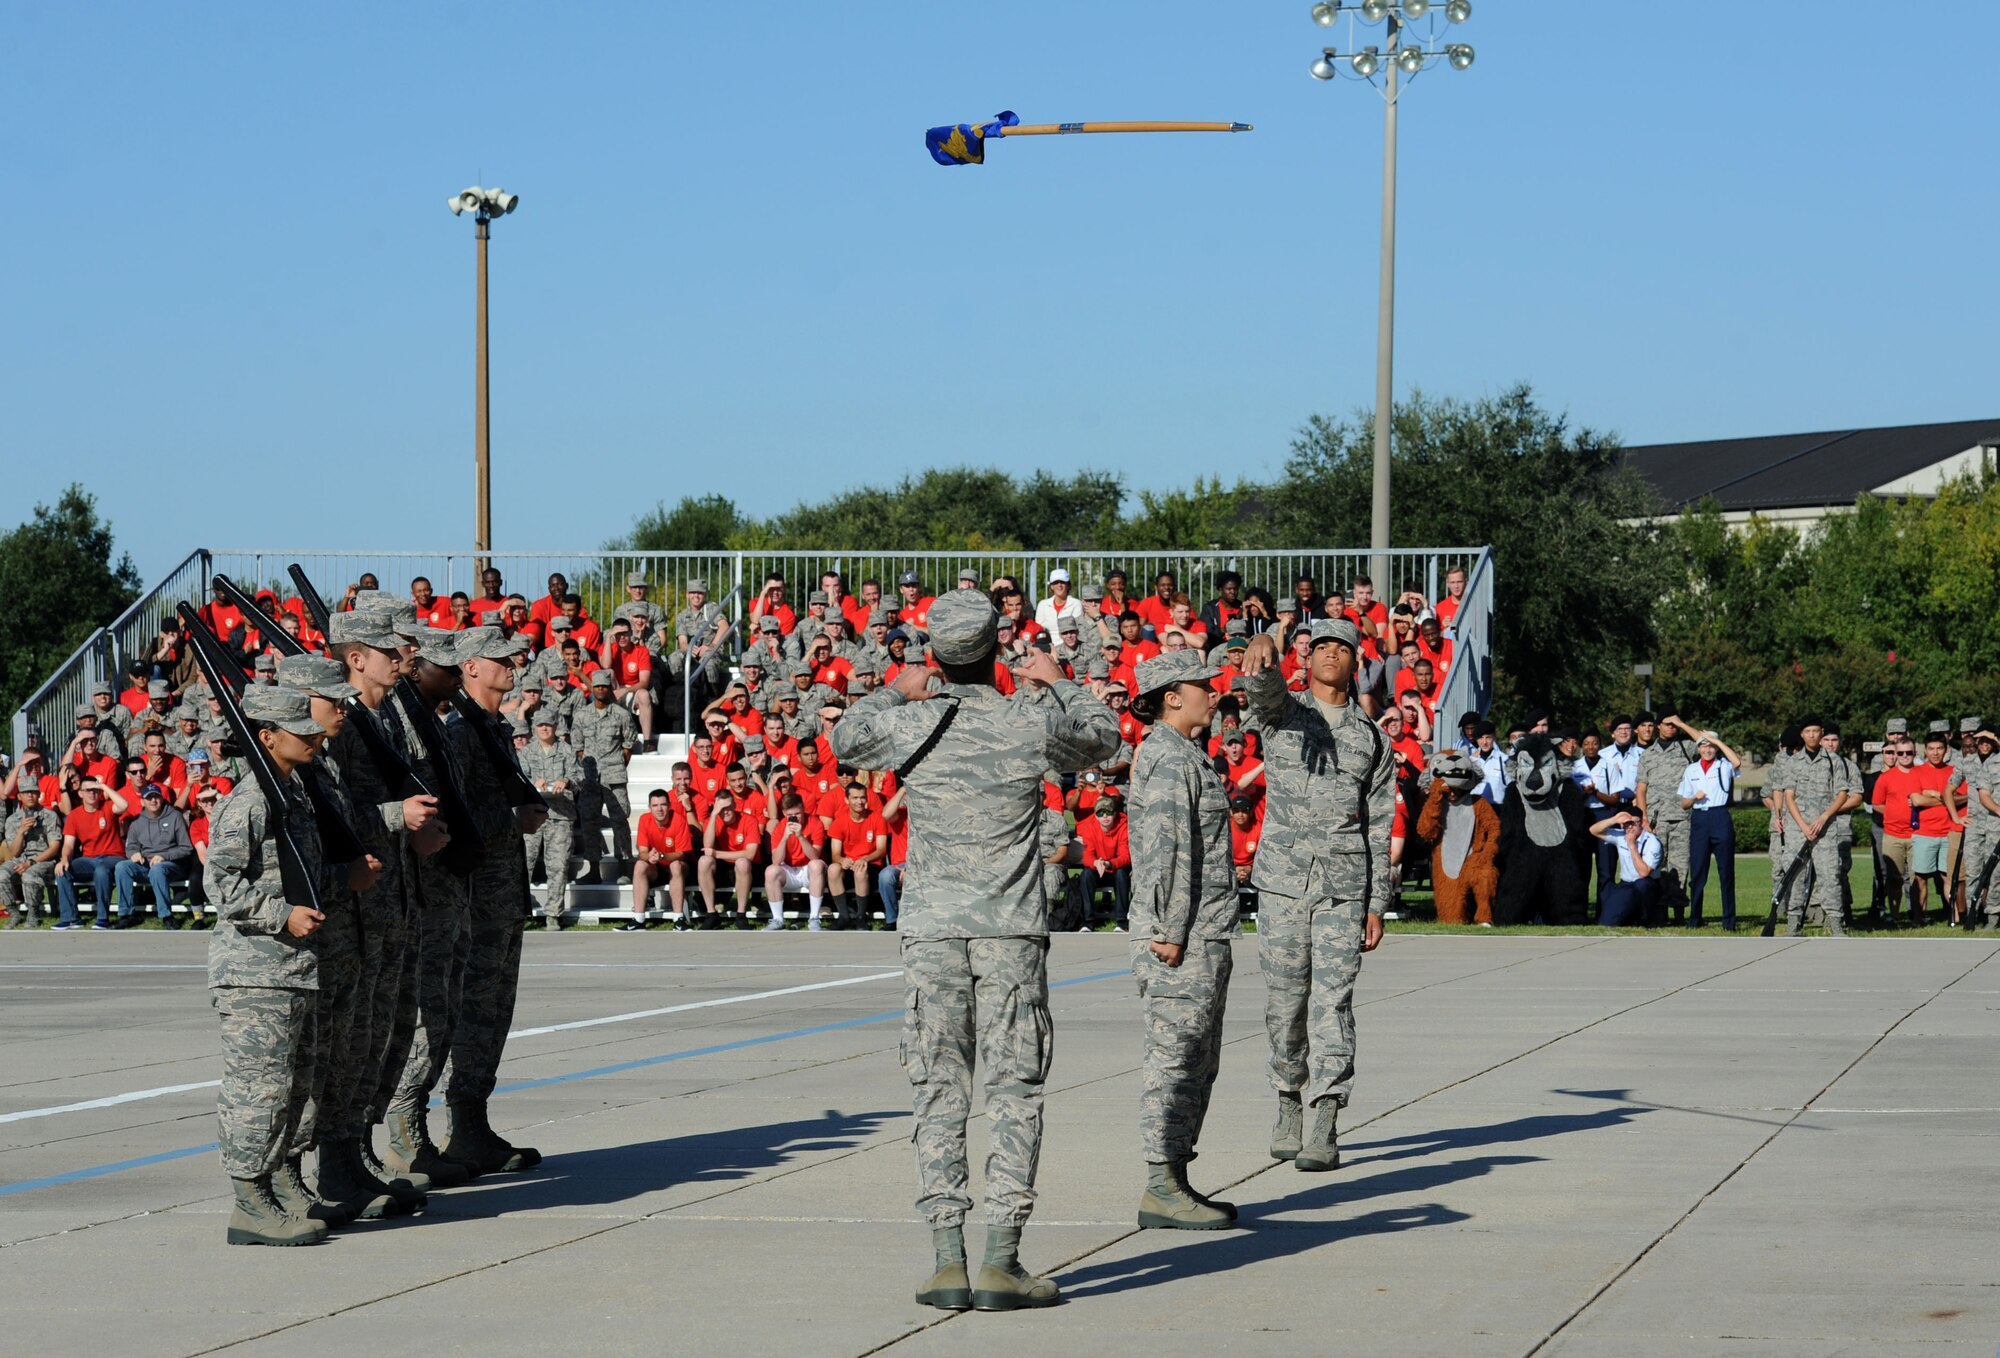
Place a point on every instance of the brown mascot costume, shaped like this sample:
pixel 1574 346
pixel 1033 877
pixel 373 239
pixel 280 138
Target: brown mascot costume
pixel 1465 832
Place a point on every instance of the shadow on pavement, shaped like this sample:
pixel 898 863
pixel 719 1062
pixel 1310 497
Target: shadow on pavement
pixel 621 1173
pixel 1266 1237
pixel 1536 1128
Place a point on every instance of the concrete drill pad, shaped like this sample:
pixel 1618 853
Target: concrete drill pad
pixel 1556 1145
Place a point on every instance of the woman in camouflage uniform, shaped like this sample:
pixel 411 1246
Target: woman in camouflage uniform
pixel 1183 917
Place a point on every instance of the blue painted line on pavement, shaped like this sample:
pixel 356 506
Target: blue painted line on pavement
pixel 120 1166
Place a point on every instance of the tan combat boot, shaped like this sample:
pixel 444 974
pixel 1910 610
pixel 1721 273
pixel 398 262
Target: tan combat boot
pixel 1003 1285
pixel 948 1288
pixel 1171 1205
pixel 260 1219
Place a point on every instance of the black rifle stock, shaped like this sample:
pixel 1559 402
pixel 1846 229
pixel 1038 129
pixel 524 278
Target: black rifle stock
pixel 1801 862
pixel 294 878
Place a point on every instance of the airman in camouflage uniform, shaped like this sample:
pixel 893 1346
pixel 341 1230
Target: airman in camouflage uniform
pixel 606 735
pixel 498 892
pixel 443 921
pixel 1784 836
pixel 974 925
pixel 641 606
pixel 1821 786
pixel 1322 878
pixel 1660 770
pixel 700 630
pixel 1183 918
pixel 1982 827
pixel 263 972
pixel 34 833
pixel 558 775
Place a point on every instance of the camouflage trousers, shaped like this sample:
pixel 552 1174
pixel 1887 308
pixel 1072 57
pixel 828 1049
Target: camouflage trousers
pixel 606 805
pixel 1311 952
pixel 1183 1050
pixel 1673 837
pixel 992 993
pixel 443 939
pixel 347 1084
pixel 1826 884
pixel 1783 851
pixel 332 1113
pixel 549 847
pixel 394 1023
pixel 496 918
pixel 24 892
pixel 1982 842
pixel 267 1064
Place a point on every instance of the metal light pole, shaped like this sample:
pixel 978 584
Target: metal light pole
pixel 1405 58
pixel 486 204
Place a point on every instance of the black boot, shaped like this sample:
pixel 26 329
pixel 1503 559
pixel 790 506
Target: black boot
pixel 341 1180
pixel 474 1142
pixel 412 1150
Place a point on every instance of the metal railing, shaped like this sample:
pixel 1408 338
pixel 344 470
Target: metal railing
pixel 1468 684
pixel 105 653
pixel 599 577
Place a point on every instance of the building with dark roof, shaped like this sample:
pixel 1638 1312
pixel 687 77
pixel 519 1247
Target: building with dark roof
pixel 1801 478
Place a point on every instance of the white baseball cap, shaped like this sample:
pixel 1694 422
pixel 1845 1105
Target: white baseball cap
pixel 1061 575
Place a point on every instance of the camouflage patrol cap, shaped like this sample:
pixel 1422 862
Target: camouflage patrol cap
pixel 318 676
pixel 379 600
pixel 532 686
pixel 753 744
pixel 365 628
pixel 159 688
pixel 1168 668
pixel 439 647
pixel 544 716
pixel 1288 604
pixel 770 624
pixel 1898 726
pixel 1969 725
pixel 1940 727
pixel 1067 625
pixel 282 706
pixel 84 710
pixel 750 659
pixel 881 617
pixel 968 573
pixel 485 643
pixel 862 664
pixel 560 623
pixel 1236 627
pixel 962 627
pixel 697 586
pixel 1091 594
pixel 857 689
pixel 818 596
pixel 186 712
pixel 100 687
pixel 600 678
pixel 266 661
pixel 1337 629
pixel 636 578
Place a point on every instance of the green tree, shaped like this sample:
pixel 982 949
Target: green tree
pixel 59 583
pixel 699 523
pixel 1577 581
pixel 950 508
pixel 1209 517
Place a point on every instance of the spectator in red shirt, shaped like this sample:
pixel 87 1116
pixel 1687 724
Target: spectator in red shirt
pixel 94 843
pixel 586 633
pixel 732 844
pixel 770 605
pixel 221 616
pixel 1156 609
pixel 1219 612
pixel 431 610
pixel 631 667
pixel 1893 787
pixel 1409 750
pixel 83 755
pixel 461 612
pixel 490 598
pixel 1930 798
pixel 200 778
pixel 707 775
pixel 859 843
pixel 664 846
pixel 1366 611
pixel 916 605
pixel 1107 856
pixel 1454 596
pixel 1434 646
pixel 551 603
pixel 1180 615
pixel 798 862
pixel 1242 775
pixel 167 770
pixel 750 800
pixel 1246 826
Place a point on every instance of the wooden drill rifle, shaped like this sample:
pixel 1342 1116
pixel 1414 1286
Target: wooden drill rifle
pixel 338 842
pixel 295 879
pixel 518 790
pixel 1801 862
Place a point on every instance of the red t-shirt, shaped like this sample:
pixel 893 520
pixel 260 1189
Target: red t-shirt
pixel 1399 826
pixel 1113 845
pixel 793 854
pixel 1446 610
pixel 1155 612
pixel 1254 788
pixel 856 614
pixel 1440 658
pixel 634 665
pixel 103 768
pixel 1251 745
pixel 899 835
pixel 175 777
pixel 1243 840
pixel 1892 793
pixel 753 805
pixel 546 607
pixel 1003 679
pixel 1052 796
pixel 222 619
pixel 1933 821
pixel 813 787
pixel 673 837
pixel 437 615
pixel 1408 747
pixel 782 612
pixel 98 833
pixel 750 723
pixel 1130 729
pixel 781 747
pixel 857 838
pixel 745 833
pixel 918 613
pixel 134 700
pixel 482 606
pixel 707 779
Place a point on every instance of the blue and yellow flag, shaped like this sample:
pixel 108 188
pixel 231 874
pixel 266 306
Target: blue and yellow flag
pixel 965 143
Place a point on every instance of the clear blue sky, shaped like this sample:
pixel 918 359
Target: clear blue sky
pixel 230 277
